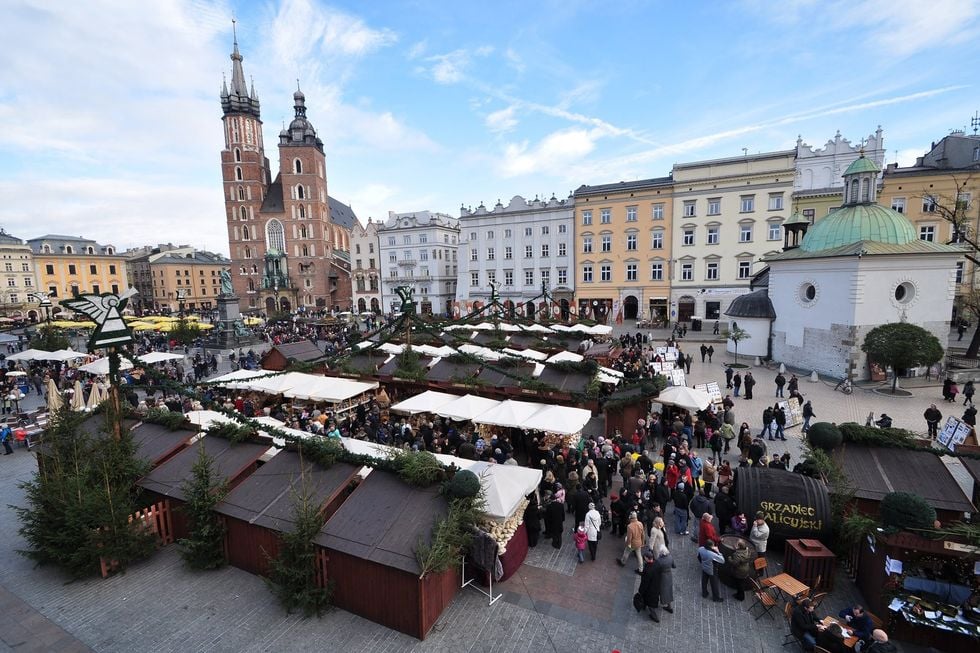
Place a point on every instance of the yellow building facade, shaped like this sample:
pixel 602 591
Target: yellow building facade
pixel 623 249
pixel 68 266
pixel 189 281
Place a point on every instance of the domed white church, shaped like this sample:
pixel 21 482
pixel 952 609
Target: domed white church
pixel 860 267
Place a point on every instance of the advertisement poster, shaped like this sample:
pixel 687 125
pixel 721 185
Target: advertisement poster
pixel 948 431
pixel 677 377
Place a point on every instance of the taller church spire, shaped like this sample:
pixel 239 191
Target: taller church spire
pixel 238 100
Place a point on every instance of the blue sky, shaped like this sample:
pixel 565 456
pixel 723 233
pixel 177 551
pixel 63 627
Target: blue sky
pixel 110 119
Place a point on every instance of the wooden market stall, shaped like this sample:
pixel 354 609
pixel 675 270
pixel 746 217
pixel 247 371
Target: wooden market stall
pixel 260 508
pixel 282 356
pixel 972 465
pixel 155 444
pixel 232 464
pixel 874 472
pixel 369 544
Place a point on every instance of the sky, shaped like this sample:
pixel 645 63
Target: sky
pixel 110 121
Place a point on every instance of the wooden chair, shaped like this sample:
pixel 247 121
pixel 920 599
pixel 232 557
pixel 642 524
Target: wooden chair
pixel 876 623
pixel 764 598
pixel 790 638
pixel 762 571
pixel 817 599
pixel 816 584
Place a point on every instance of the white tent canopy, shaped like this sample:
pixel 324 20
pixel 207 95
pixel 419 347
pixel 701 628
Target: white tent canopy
pixel 510 413
pixel 239 375
pixel 684 397
pixel 329 388
pixel 64 355
pixel 559 419
pixel 467 407
pixel 100 366
pixel 427 402
pixel 28 355
pixel 526 353
pixel 540 328
pixel 504 486
pixel 206 418
pixel 158 357
pixel 563 356
pixel 480 352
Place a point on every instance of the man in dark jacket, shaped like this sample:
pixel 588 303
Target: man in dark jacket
pixel 728 377
pixel 780 383
pixel 532 520
pixel 804 624
pixel 650 584
pixel 779 415
pixel 880 643
pixel 580 502
pixel 749 384
pixel 554 521
pixel 700 504
pixel 933 417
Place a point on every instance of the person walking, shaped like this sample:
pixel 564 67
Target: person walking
pixel 779 416
pixel 708 556
pixel 717 328
pixel 711 352
pixel 635 538
pixel 737 383
pixel 728 377
pixel 749 384
pixel 687 362
pixel 650 584
pixel 780 382
pixel 793 386
pixel 680 509
pixel 666 563
pixel 5 434
pixel 808 414
pixel 766 423
pixel 580 539
pixel 593 527
pixel 933 417
pixel 554 520
pixel 968 392
pixel 704 351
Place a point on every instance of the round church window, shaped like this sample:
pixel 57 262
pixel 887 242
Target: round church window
pixel 904 292
pixel 808 292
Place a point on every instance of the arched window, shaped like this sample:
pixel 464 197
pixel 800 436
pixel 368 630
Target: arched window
pixel 302 231
pixel 865 190
pixel 300 193
pixel 241 193
pixel 275 236
pixel 245 233
pixel 69 249
pixel 238 155
pixel 251 285
pixel 854 190
pixel 302 212
pixel 243 269
pixel 248 252
pixel 238 174
pixel 110 250
pixel 304 250
pixel 255 269
pixel 244 213
pixel 46 249
pixel 298 166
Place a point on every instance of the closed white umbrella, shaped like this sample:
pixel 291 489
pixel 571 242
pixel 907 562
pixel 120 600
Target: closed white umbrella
pixel 684 397
pixel 94 397
pixel 55 402
pixel 77 397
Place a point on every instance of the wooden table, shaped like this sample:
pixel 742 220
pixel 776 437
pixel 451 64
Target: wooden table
pixel 789 585
pixel 850 639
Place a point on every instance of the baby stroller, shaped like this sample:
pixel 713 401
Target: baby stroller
pixel 606 516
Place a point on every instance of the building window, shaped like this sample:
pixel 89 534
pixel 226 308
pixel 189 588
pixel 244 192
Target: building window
pixel 491 254
pixel 744 269
pixel 508 277
pixel 298 167
pixel 562 276
pixel 631 242
pixel 745 233
pixel 275 236
pixel 489 235
pixel 241 194
pixel 929 204
pixel 631 214
pixel 747 203
pixel 688 236
pixel 545 276
pixel 587 244
pixel 631 271
pixel 656 272
pixel 96 289
pixel 606 243
pixel 69 249
pixel 959 272
pixel 28 282
pixel 71 269
pixel 238 155
pixel 687 272
pixel 587 273
pixel 545 251
pixel 529 251
pixel 714 206
pixel 605 272
pixel 775 231
pixel 605 216
pixel 391 241
pixel 474 256
pixel 711 271
pixel 690 208
pixel 528 277
pixel 658 240
pixel 407 240
pixel 562 228
pixel 714 235
pixel 238 174
pixel 423 238
pixel 562 249
pixel 474 279
pixel 392 258
pixel 658 212
pixel 810 215
pixel 491 276
pixel 545 230
pixel 775 201
pixel 508 253
pixel 898 204
pixel 49 269
pixel 927 232
pixel 586 217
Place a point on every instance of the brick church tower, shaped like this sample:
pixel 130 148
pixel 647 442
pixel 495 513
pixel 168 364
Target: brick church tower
pixel 286 251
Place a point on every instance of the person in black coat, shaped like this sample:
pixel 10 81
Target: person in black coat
pixel 532 520
pixel 554 521
pixel 580 503
pixel 650 584
pixel 969 416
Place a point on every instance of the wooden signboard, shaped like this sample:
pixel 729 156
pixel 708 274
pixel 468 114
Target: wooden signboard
pixel 677 377
pixel 793 410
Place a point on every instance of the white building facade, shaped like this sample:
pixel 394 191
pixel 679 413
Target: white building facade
pixel 727 214
pixel 365 267
pixel 419 250
pixel 523 248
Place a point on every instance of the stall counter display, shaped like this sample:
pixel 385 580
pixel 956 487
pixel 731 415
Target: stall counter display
pixel 503 530
pixel 940 617
pixel 565 441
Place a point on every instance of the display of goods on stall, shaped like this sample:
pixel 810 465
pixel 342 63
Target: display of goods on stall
pixel 502 531
pixel 565 440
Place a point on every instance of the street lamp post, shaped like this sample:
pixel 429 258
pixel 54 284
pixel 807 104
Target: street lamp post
pixel 181 296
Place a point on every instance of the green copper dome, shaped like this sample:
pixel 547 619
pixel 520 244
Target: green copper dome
pixel 859 222
pixel 861 164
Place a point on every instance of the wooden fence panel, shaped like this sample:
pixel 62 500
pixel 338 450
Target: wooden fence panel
pixel 158 519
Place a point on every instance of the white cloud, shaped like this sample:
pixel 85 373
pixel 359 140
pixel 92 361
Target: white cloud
pixel 514 60
pixel 450 68
pixel 503 120
pixel 418 49
pixel 552 155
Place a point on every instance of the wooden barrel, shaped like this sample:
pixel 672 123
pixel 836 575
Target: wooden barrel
pixel 795 505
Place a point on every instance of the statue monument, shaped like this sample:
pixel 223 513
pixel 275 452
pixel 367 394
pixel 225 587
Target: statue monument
pixel 230 331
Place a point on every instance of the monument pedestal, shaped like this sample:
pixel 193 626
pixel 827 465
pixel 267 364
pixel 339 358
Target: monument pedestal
pixel 230 331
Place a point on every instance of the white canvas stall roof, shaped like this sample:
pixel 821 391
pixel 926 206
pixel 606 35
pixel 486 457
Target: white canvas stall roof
pixel 328 388
pixel 427 402
pixel 276 384
pixel 566 356
pixel 62 355
pixel 28 355
pixel 559 419
pixel 466 407
pixel 239 375
pixel 273 422
pixel 609 375
pixel 480 352
pixel 100 366
pixel 207 418
pixel 526 353
pixel 429 350
pixel 158 357
pixel 510 413
pixel 539 328
pixel 561 327
pixel 504 486
pixel 391 348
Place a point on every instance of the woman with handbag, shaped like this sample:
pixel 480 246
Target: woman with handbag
pixel 593 529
